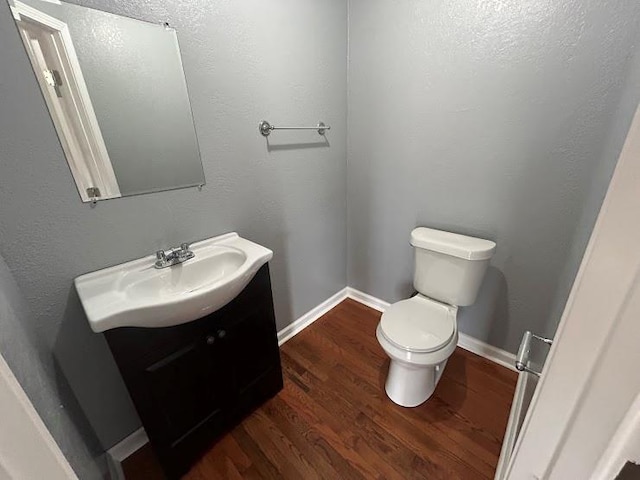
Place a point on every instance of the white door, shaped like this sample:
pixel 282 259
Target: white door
pixel 27 449
pixel 591 379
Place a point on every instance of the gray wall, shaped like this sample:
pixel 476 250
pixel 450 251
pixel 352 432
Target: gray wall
pixel 31 362
pixel 284 61
pixel 598 184
pixel 493 119
pixel 503 123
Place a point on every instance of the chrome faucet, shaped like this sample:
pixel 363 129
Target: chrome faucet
pixel 173 256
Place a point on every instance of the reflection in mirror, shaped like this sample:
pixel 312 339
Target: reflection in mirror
pixel 116 93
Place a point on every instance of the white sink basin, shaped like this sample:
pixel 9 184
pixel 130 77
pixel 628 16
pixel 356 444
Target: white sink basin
pixel 135 294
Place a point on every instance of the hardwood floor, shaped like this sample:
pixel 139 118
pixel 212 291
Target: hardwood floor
pixel 334 421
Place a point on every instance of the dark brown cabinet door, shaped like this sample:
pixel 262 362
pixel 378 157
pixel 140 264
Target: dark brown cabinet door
pixel 190 383
pixel 187 388
pixel 254 352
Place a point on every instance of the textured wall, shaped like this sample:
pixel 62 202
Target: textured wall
pixel 598 184
pixel 26 353
pixel 496 119
pixel 491 119
pixel 284 61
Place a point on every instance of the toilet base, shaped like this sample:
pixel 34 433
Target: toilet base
pixel 410 385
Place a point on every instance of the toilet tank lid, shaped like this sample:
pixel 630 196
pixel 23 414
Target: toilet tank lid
pixel 461 246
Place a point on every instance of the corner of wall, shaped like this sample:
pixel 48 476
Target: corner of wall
pixel 348 151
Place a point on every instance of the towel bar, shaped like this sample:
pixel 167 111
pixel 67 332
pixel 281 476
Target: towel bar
pixel 266 128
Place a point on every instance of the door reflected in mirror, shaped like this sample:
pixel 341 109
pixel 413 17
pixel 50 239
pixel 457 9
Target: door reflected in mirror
pixel 116 92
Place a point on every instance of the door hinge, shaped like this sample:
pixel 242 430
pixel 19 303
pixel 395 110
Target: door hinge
pixel 93 192
pixel 53 79
pixel 522 358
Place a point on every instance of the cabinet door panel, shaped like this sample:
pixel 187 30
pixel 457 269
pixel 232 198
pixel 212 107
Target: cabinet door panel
pixel 255 348
pixel 182 390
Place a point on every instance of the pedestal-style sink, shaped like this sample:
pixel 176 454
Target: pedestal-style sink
pixel 135 294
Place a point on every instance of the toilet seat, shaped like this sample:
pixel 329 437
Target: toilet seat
pixel 419 324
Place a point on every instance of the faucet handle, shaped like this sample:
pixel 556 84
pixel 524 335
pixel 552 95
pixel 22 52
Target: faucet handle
pixel 184 253
pixel 162 258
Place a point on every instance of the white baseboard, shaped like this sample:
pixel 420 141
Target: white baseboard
pixel 495 354
pixel 311 316
pixel 368 300
pixel 473 345
pixel 123 449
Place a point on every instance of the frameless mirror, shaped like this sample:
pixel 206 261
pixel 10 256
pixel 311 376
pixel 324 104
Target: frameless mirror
pixel 117 95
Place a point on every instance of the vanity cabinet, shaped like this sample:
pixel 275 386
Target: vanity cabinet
pixel 192 382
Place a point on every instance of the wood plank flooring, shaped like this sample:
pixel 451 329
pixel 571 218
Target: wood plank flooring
pixel 334 421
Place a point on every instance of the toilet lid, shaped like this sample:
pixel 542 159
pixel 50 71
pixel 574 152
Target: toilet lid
pixel 419 324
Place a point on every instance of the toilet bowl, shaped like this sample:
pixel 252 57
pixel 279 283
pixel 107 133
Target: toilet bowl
pixel 420 334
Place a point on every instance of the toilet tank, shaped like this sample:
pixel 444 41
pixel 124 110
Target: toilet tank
pixel 449 267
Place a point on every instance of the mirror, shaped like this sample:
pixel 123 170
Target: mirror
pixel 117 95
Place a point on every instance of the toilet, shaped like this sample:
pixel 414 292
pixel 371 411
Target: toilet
pixel 420 334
